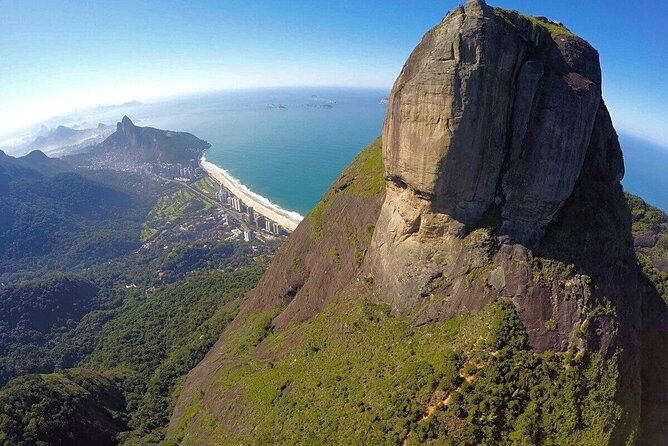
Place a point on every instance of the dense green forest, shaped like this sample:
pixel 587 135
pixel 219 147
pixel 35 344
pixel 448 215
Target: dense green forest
pixel 52 219
pixel 155 342
pixel 72 407
pixel 33 317
pixel 140 349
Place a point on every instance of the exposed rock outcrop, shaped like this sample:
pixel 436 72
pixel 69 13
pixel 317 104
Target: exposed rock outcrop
pixel 490 107
pixel 489 123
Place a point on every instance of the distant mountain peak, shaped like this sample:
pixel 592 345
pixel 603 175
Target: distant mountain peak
pixel 37 154
pixel 62 132
pixel 134 144
pixel 125 124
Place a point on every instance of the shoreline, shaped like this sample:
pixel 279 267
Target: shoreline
pixel 263 206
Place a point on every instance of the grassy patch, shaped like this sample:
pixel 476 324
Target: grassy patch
pixel 545 271
pixel 477 273
pixel 181 431
pixel 207 186
pixel 555 29
pixel 368 171
pixel 169 209
pixel 362 376
pixel 335 256
pixel 316 217
pixel 369 232
pixel 364 177
pixel 551 325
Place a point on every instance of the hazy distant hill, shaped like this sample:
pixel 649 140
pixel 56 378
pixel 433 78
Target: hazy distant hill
pixel 37 161
pixel 62 139
pixel 131 145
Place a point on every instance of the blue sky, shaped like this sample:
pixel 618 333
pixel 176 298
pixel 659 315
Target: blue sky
pixel 60 55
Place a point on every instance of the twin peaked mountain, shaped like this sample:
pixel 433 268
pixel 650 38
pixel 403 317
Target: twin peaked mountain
pixel 131 145
pixel 469 279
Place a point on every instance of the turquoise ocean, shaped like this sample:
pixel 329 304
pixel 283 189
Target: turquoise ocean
pixel 290 144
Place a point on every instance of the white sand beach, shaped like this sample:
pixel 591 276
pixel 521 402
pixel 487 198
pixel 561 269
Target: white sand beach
pixel 289 220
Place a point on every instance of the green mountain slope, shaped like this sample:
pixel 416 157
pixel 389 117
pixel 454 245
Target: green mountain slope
pixel 33 315
pixel 65 220
pixel 357 374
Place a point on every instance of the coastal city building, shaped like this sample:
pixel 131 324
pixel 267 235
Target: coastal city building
pixel 236 204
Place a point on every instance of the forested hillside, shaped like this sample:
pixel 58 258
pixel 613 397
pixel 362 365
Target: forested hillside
pixel 51 219
pixel 34 315
pixel 99 325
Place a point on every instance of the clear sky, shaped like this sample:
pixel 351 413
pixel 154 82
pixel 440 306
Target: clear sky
pixel 56 56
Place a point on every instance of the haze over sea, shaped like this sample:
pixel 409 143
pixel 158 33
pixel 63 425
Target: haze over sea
pixel 290 144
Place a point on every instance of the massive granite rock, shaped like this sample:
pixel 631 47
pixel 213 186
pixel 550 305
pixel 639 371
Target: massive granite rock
pixel 489 123
pixel 503 171
pixel 492 107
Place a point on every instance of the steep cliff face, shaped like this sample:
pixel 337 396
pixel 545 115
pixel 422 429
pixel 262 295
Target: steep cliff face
pixel 493 106
pixel 493 240
pixel 503 175
pixel 146 144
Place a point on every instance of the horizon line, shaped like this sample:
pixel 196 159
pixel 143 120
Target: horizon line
pixel 663 145
pixel 120 102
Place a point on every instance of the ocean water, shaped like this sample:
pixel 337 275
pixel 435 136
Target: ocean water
pixel 646 170
pixel 289 145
